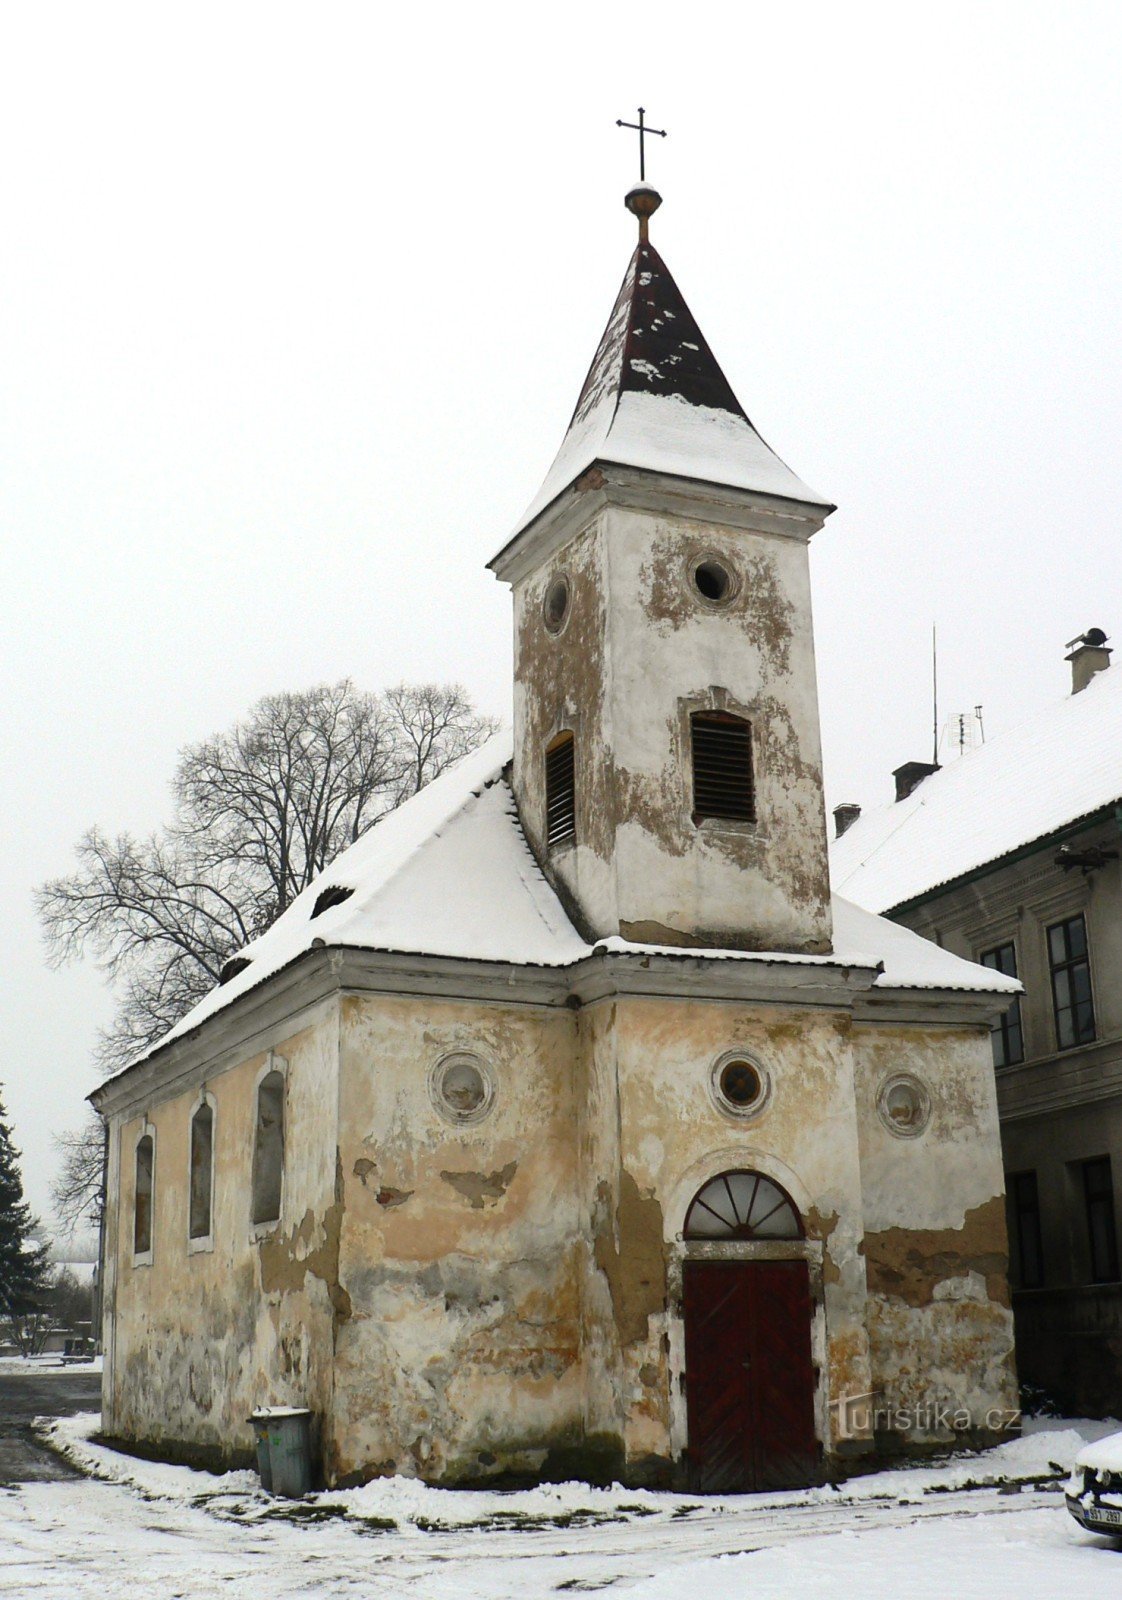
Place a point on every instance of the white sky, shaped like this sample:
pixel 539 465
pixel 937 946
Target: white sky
pixel 295 303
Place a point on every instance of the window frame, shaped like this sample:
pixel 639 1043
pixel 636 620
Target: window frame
pixel 1067 967
pixel 1106 1199
pixel 200 1243
pixel 1020 1210
pixel 563 739
pixel 716 716
pixel 262 1230
pixel 1010 1020
pixel 145 1257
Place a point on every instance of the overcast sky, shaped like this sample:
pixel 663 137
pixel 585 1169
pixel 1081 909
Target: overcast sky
pixel 295 302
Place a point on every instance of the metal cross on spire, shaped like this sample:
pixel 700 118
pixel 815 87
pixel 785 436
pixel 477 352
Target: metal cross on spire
pixel 642 130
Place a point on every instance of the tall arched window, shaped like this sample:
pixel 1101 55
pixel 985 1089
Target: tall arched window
pixel 560 791
pixel 742 1206
pixel 202 1172
pixel 143 1196
pixel 268 1148
pixel 723 784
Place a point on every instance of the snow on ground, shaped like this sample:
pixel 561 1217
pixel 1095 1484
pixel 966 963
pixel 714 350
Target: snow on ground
pixel 152 1529
pixel 52 1362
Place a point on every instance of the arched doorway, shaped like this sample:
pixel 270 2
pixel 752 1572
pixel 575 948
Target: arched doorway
pixel 747 1313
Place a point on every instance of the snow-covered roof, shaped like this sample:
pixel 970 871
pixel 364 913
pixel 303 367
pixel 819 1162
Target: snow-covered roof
pixel 450 874
pixel 1062 765
pixel 655 398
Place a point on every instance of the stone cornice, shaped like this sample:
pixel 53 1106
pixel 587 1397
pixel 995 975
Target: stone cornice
pixel 297 995
pixel 606 484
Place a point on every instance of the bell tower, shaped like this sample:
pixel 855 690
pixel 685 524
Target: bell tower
pixel 667 760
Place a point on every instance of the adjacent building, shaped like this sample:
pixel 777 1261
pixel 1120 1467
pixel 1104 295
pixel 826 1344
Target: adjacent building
pixel 567 1124
pixel 1010 856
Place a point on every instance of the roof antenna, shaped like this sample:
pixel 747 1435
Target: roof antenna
pixel 934 697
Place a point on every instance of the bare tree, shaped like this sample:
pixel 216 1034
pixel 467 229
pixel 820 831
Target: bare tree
pixel 78 1191
pixel 434 724
pixel 259 812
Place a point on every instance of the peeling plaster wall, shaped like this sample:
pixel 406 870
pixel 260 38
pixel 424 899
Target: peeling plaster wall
pixel 460 1249
pixel 940 1326
pixel 653 1137
pixel 202 1336
pixel 639 651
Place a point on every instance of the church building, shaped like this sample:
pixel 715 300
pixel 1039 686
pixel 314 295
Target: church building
pixel 566 1126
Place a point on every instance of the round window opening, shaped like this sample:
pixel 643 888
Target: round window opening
pixel 555 606
pixel 461 1088
pixel 712 580
pixel 904 1105
pixel 739 1086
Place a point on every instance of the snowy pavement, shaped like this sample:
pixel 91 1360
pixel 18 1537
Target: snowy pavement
pixel 147 1528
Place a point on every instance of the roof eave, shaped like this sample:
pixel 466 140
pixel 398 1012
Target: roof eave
pixel 1044 841
pixel 605 482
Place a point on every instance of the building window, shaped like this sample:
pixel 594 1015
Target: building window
pixel 1071 983
pixel 1024 1230
pixel 268 1149
pixel 722 767
pixel 560 791
pixel 201 1173
pixel 1005 1035
pixel 462 1088
pixel 742 1206
pixel 1098 1191
pixel 142 1201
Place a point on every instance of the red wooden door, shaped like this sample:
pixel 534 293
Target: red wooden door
pixel 749 1376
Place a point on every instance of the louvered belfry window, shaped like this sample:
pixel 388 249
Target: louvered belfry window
pixel 560 791
pixel 722 767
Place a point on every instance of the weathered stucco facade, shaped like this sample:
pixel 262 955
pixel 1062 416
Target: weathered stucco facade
pixel 587 1098
pixel 506 1298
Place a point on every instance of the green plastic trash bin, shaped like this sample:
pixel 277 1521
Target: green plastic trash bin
pixel 284 1449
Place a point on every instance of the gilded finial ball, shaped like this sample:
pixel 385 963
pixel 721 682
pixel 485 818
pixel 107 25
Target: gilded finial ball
pixel 643 200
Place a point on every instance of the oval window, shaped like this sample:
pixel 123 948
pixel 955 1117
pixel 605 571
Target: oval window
pixel 712 580
pixel 461 1088
pixel 904 1105
pixel 739 1086
pixel 555 606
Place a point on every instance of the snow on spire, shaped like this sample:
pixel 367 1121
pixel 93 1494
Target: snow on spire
pixel 655 396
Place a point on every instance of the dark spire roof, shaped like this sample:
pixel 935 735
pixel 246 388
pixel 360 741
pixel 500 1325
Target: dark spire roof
pixel 653 345
pixel 656 398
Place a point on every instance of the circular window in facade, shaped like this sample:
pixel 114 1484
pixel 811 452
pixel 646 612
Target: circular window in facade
pixel 555 606
pixel 461 1088
pixel 713 579
pixel 904 1105
pixel 739 1085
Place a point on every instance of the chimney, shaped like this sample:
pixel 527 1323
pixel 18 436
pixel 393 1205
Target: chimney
pixel 1088 654
pixel 911 775
pixel 845 816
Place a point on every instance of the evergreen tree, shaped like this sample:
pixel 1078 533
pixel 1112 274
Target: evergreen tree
pixel 23 1262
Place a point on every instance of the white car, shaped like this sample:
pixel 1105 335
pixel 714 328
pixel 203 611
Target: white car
pixel 1094 1490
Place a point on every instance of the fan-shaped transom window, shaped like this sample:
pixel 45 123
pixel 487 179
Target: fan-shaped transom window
pixel 740 1206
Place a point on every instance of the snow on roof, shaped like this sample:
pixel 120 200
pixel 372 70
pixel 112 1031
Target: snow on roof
pixel 450 874
pixel 656 398
pixel 1064 764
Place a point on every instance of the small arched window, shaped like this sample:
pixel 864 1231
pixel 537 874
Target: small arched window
pixel 560 791
pixel 723 784
pixel 143 1196
pixel 268 1149
pixel 742 1206
pixel 202 1172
